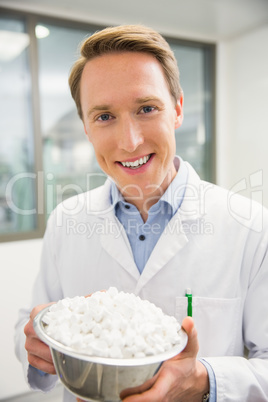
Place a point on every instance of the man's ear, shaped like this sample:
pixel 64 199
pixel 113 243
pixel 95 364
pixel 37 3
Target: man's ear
pixel 179 112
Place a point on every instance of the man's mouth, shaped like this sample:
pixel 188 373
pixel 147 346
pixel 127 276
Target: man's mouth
pixel 137 163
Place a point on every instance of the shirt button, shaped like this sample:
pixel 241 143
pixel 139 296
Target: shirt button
pixel 142 237
pixel 127 206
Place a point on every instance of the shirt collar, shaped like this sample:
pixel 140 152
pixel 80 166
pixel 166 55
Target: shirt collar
pixel 174 193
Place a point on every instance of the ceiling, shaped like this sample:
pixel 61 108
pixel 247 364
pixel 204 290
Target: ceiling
pixel 207 20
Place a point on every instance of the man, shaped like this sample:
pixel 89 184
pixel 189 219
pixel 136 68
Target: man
pixel 142 231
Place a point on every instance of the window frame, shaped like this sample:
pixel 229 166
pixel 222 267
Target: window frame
pixel 31 20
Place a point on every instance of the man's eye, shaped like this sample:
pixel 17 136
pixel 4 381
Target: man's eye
pixel 147 109
pixel 104 117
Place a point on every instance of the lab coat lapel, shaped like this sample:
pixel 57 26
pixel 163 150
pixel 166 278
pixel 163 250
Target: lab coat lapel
pixel 173 239
pixel 116 243
pixel 113 237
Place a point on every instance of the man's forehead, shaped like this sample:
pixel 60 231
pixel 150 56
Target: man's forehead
pixel 131 78
pixel 115 61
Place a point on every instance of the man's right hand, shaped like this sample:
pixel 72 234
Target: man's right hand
pixel 39 355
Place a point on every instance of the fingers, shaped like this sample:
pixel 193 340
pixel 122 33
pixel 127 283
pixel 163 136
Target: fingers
pixel 139 389
pixel 39 354
pixel 38 348
pixel 41 364
pixel 155 389
pixel 192 346
pixel 188 324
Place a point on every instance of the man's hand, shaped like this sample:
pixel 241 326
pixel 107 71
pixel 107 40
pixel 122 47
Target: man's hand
pixel 39 355
pixel 182 378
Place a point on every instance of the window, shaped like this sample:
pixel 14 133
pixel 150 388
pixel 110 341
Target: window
pixel 194 138
pixel 68 156
pixel 45 156
pixel 17 164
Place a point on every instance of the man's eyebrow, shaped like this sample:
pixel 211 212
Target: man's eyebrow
pixel 98 108
pixel 148 99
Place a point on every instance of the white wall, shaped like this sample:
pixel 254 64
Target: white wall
pixel 19 262
pixel 242 113
pixel 242 144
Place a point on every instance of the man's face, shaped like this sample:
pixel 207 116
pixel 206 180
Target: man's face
pixel 130 118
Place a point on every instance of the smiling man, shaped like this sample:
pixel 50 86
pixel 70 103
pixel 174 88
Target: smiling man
pixel 127 92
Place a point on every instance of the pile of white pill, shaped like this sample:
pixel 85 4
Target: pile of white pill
pixel 112 324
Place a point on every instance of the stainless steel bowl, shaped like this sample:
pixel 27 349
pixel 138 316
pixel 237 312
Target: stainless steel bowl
pixel 97 378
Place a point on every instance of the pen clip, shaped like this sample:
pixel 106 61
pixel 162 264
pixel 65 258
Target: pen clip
pixel 190 304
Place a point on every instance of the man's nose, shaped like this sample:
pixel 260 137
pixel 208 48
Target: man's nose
pixel 129 135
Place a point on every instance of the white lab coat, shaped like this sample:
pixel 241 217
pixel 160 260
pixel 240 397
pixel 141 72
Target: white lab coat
pixel 216 244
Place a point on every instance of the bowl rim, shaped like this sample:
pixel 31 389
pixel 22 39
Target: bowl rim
pixel 139 361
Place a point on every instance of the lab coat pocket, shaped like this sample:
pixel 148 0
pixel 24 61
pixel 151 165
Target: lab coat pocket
pixel 218 323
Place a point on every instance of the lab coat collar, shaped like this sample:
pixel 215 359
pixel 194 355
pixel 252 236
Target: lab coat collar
pixel 99 200
pixel 193 205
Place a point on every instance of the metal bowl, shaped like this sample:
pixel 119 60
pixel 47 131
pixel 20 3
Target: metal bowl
pixel 98 378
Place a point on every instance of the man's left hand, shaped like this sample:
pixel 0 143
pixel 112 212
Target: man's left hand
pixel 182 378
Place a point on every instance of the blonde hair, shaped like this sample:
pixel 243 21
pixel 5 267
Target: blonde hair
pixel 126 38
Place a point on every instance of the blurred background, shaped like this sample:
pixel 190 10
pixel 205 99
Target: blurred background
pixel 222 53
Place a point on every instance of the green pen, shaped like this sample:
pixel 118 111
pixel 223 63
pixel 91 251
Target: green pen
pixel 190 299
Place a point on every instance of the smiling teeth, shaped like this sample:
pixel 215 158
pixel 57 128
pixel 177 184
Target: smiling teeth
pixel 136 163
